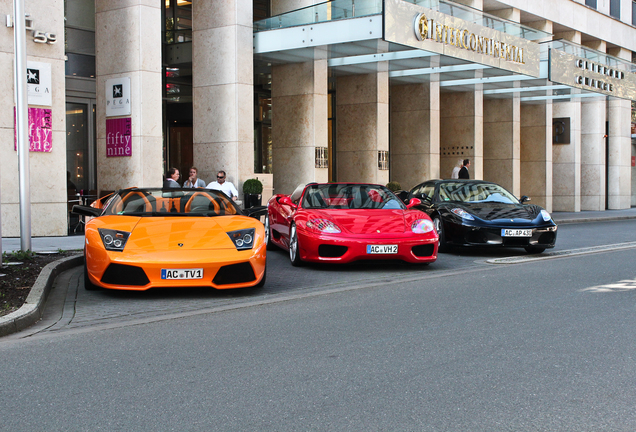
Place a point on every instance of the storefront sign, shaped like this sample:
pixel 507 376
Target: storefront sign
pixel 433 31
pixel 39 84
pixel 118 97
pixel 118 137
pixel 584 74
pixel 40 130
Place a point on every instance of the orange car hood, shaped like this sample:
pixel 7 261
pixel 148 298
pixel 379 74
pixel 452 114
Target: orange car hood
pixel 193 233
pixel 366 221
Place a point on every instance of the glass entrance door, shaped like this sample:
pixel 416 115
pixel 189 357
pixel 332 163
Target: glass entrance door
pixel 80 145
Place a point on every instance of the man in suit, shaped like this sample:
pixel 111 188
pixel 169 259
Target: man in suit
pixel 463 172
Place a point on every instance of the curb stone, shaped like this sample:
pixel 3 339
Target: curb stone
pixel 31 310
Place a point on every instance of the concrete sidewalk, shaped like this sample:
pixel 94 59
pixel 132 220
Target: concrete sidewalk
pixel 76 242
pixel 45 244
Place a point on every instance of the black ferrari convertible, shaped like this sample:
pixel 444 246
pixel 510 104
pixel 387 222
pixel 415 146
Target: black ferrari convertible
pixel 480 213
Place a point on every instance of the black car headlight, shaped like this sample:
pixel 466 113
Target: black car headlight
pixel 114 240
pixel 242 239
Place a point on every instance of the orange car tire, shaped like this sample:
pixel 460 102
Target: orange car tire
pixel 88 285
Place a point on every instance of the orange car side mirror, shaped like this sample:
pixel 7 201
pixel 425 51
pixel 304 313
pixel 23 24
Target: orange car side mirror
pixel 287 201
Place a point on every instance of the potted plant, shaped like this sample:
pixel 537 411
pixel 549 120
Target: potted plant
pixel 252 190
pixel 394 186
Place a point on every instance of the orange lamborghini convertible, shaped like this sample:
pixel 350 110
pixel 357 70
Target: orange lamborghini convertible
pixel 149 238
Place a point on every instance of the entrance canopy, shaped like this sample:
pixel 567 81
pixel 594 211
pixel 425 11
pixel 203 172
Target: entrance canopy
pixel 459 46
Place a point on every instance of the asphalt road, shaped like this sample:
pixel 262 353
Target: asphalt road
pixel 458 345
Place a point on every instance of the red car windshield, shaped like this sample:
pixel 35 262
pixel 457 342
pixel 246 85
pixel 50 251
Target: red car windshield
pixel 170 202
pixel 350 196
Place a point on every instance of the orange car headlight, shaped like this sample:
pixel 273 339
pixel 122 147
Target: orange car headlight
pixel 114 240
pixel 242 239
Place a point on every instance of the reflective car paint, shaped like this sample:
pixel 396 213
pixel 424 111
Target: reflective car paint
pixel 174 242
pixel 489 218
pixel 359 228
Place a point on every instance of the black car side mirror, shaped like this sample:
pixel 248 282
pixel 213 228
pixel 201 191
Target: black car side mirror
pixel 86 211
pixel 525 199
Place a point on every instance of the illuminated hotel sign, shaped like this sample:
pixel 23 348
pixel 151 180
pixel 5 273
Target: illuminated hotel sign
pixel 429 30
pixel 593 76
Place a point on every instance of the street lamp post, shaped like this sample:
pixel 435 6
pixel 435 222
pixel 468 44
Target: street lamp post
pixel 21 124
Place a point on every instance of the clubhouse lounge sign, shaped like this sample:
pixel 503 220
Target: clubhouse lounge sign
pixel 592 76
pixel 433 31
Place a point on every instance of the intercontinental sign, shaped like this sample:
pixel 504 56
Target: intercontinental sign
pixel 429 30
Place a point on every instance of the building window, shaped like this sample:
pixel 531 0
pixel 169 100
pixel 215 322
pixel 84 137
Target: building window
pixel 591 3
pixel 383 160
pixel 322 155
pixel 615 8
pixel 634 13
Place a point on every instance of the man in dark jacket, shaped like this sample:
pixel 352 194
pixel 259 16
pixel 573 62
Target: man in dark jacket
pixel 463 172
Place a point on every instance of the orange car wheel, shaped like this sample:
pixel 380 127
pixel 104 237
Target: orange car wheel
pixel 88 285
pixel 268 235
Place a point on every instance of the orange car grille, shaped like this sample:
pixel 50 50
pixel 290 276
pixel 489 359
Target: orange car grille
pixel 121 274
pixel 234 273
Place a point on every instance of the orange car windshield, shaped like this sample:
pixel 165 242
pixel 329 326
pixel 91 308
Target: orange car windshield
pixel 173 202
pixel 350 196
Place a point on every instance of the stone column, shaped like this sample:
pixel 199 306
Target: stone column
pixel 362 117
pixel 566 160
pixel 536 153
pixel 299 123
pixel 502 141
pixel 222 89
pixel 414 133
pixel 619 181
pixel 127 37
pixel 593 154
pixel 619 158
pixel 461 131
pixel 47 169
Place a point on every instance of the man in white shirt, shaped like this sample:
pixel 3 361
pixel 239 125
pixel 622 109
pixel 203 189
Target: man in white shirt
pixel 224 186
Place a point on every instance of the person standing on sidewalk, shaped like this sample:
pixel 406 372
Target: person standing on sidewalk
pixel 224 186
pixel 463 172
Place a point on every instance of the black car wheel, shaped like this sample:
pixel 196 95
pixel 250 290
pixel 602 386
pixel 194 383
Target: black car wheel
pixel 534 249
pixel 294 255
pixel 268 235
pixel 439 227
pixel 88 285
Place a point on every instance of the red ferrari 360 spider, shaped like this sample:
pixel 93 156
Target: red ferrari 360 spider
pixel 344 222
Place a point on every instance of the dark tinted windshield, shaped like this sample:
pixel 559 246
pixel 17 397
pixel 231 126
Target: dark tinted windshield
pixel 173 202
pixel 350 196
pixel 475 193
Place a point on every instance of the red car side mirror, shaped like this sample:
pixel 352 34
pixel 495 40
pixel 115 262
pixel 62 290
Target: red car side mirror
pixel 413 202
pixel 287 201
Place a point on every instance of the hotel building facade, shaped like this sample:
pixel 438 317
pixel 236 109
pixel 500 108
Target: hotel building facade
pixel 536 93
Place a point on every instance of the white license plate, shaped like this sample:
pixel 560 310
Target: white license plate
pixel 382 249
pixel 516 233
pixel 182 274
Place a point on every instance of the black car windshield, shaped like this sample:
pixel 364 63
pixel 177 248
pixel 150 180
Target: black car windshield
pixel 475 193
pixel 350 196
pixel 170 202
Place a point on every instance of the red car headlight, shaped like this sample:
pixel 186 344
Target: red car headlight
pixel 323 226
pixel 422 226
